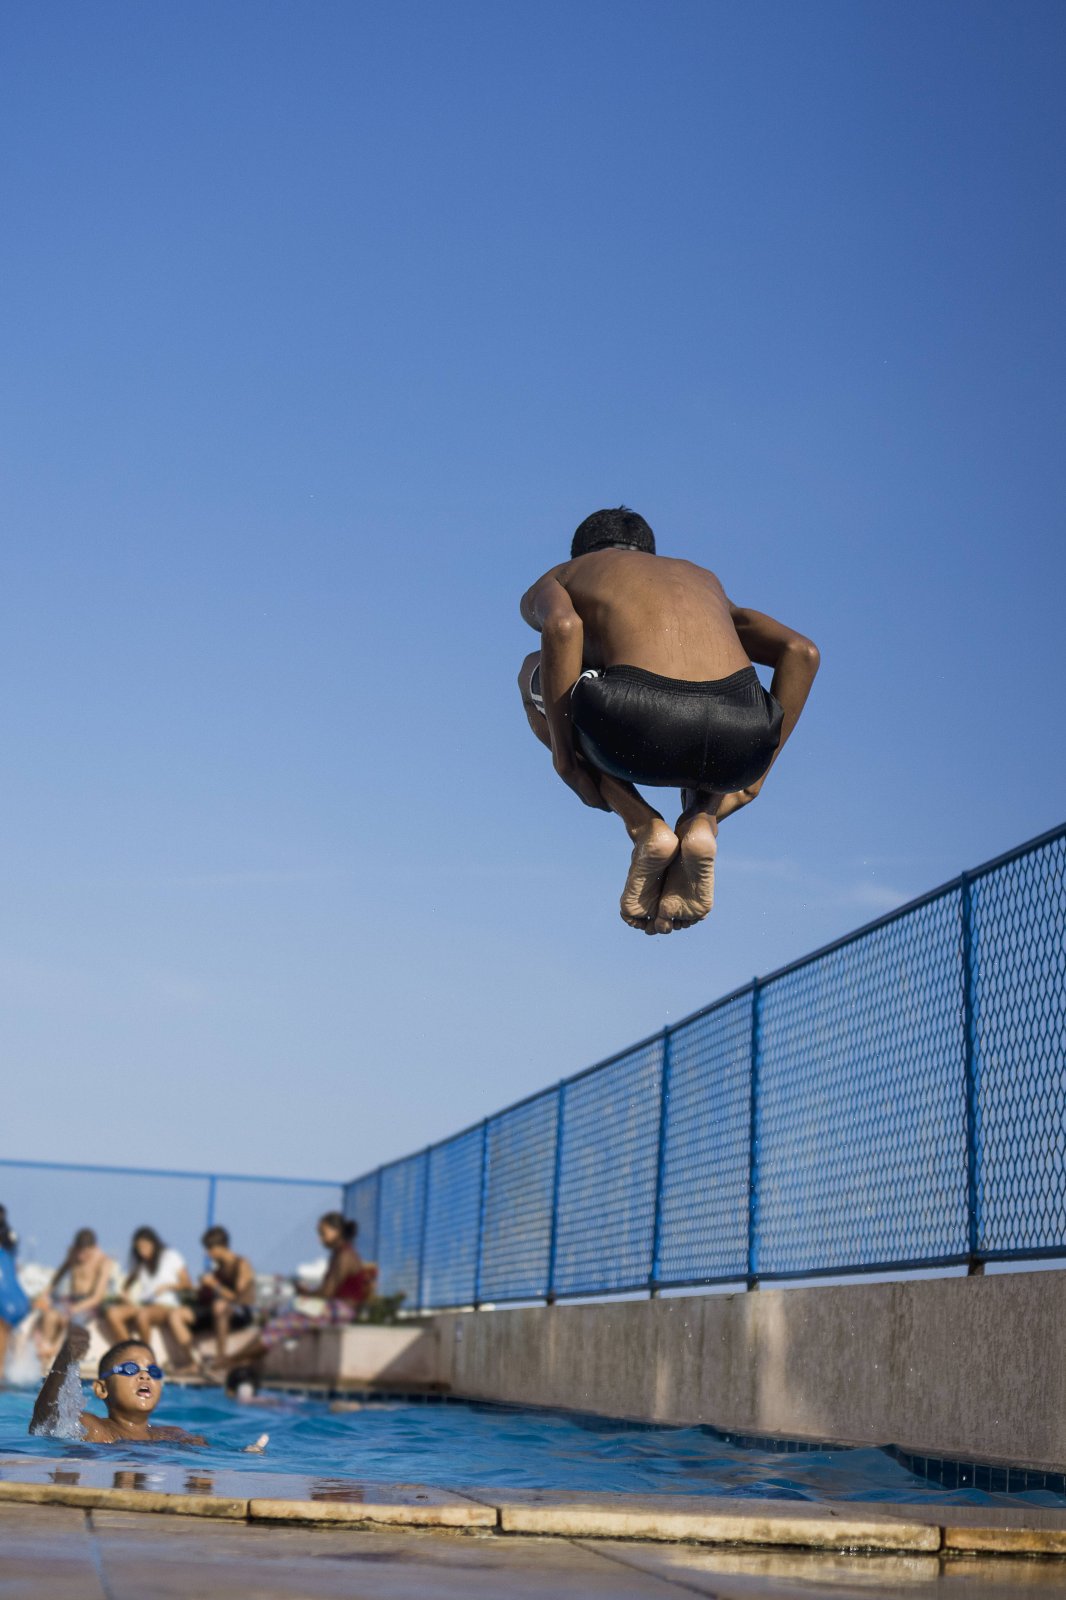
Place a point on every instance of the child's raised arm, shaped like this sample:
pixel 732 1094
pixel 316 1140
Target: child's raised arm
pixel 46 1410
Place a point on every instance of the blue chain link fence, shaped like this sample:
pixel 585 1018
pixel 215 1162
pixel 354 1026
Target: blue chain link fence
pixel 270 1220
pixel 894 1101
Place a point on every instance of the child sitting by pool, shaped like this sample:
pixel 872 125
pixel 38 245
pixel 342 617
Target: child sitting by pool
pixel 130 1384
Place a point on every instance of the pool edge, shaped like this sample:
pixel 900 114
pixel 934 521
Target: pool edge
pixel 875 1527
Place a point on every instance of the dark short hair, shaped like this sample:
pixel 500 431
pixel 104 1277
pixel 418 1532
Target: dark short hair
pixel 215 1235
pixel 107 1360
pixel 238 1375
pixel 620 528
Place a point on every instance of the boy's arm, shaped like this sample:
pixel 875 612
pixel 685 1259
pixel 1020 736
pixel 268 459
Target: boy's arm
pixel 244 1288
pixel 795 661
pixel 548 608
pixel 528 603
pixel 46 1409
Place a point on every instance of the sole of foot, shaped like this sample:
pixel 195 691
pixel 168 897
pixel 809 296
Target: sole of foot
pixel 688 887
pixel 654 847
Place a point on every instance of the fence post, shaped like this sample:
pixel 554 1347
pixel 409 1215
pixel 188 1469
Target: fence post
pixel 212 1201
pixel 483 1196
pixel 974 1266
pixel 426 1155
pixel 660 1163
pixel 752 1277
pixel 554 1238
pixel 377 1215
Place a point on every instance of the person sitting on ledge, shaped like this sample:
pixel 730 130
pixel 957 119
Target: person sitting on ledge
pixel 87 1270
pixel 128 1382
pixel 14 1305
pixel 227 1292
pixel 645 676
pixel 346 1287
pixel 131 1386
pixel 151 1298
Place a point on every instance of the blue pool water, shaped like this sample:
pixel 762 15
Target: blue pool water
pixel 469 1446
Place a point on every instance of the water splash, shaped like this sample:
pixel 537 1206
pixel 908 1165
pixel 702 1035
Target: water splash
pixel 70 1402
pixel 69 1406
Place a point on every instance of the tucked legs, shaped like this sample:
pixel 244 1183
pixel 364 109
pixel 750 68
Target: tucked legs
pixel 655 844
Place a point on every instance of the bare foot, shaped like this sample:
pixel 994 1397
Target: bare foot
pixel 688 888
pixel 654 847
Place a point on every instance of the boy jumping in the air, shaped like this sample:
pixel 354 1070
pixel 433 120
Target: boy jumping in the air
pixel 644 676
pixel 131 1386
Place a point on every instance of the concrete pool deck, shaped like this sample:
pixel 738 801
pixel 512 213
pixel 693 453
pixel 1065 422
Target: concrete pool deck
pixel 264 1498
pixel 59 1553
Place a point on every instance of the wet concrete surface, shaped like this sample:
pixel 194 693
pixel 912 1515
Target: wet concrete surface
pixel 61 1553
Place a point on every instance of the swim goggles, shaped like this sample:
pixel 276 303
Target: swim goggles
pixel 130 1369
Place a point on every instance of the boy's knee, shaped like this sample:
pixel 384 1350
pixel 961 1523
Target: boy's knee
pixel 525 673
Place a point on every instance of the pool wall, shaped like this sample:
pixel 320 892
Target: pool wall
pixel 966 1367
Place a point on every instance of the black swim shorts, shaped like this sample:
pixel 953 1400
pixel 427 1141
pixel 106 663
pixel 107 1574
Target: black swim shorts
pixel 669 733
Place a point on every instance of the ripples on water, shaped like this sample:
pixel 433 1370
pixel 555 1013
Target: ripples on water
pixel 471 1446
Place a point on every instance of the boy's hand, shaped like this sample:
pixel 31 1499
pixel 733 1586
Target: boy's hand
pixel 583 783
pixel 75 1345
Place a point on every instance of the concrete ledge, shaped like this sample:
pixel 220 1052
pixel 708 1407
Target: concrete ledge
pixel 713 1521
pixel 91 1499
pixel 991 1530
pixel 408 1354
pixel 407 1505
pixel 928 1530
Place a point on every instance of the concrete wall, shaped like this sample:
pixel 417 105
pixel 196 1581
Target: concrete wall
pixel 963 1366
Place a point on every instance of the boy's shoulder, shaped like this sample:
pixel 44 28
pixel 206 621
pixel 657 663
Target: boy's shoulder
pixel 101 1430
pixel 98 1430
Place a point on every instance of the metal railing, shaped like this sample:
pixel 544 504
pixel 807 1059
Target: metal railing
pixel 270 1220
pixel 893 1101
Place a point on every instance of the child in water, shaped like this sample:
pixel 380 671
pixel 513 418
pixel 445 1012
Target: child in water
pixel 129 1383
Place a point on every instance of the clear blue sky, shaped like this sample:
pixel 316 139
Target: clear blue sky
pixel 324 324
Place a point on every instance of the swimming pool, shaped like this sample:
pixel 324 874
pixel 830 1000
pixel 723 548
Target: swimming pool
pixel 469 1445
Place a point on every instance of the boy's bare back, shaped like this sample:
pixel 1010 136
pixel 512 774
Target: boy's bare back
pixel 663 615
